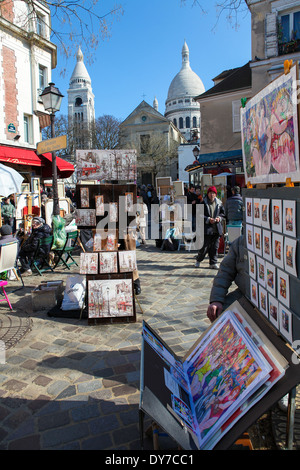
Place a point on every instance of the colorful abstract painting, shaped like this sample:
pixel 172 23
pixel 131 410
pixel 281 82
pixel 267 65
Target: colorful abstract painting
pixel 269 128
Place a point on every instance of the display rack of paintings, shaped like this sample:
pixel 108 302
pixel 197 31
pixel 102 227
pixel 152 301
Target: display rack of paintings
pixel 273 258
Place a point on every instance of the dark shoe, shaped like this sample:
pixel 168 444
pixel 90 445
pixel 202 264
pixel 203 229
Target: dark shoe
pixel 137 290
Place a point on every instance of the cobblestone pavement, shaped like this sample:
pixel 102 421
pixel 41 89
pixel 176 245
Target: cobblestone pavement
pixel 69 385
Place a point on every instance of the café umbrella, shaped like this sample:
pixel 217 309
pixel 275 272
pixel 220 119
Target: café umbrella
pixel 10 181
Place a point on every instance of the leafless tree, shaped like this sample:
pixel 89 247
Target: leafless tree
pixel 106 132
pixel 233 9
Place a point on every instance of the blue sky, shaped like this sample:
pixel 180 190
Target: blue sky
pixel 143 53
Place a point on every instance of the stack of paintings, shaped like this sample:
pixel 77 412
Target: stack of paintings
pixel 226 372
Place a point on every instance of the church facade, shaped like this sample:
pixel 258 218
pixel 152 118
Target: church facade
pixel 156 136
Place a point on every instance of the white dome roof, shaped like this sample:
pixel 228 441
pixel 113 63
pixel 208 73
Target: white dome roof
pixel 80 71
pixel 186 82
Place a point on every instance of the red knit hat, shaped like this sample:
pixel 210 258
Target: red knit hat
pixel 212 189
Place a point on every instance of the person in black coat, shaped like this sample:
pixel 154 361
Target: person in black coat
pixel 39 230
pixel 214 213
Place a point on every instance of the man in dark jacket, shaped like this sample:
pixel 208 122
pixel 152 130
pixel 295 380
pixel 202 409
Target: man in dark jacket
pixel 232 269
pixel 213 230
pixel 234 207
pixel 39 230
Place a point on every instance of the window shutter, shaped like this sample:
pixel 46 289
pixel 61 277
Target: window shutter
pixel 236 122
pixel 271 39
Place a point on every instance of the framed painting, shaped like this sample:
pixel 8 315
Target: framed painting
pixel 289 218
pixel 273 311
pixel 129 206
pixel 252 265
pixel 256 211
pixel 249 210
pixel 270 144
pixel 283 288
pixel 249 237
pixel 85 217
pixel 257 240
pixel 110 298
pixel 277 249
pixel 127 261
pixel 265 216
pixel 290 246
pixel 261 271
pixel 277 215
pixel 270 278
pixel 254 292
pixel 88 263
pixel 285 323
pixel 84 197
pixel 267 245
pixel 99 203
pixel 108 262
pixel 113 212
pixel 263 300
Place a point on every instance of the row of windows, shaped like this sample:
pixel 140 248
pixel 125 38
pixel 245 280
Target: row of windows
pixel 78 117
pixel 187 122
pixel 187 100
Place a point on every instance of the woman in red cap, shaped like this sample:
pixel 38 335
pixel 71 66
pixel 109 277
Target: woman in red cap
pixel 213 215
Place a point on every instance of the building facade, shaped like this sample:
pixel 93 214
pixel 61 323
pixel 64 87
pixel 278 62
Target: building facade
pixel 155 139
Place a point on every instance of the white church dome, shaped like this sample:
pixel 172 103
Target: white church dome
pixel 186 82
pixel 181 108
pixel 80 73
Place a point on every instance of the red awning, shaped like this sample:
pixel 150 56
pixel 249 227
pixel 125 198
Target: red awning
pixel 20 156
pixel 64 168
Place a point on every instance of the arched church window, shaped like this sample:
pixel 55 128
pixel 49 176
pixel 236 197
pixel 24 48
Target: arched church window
pixel 187 122
pixel 194 121
pixel 78 102
pixel 180 123
pixel 175 121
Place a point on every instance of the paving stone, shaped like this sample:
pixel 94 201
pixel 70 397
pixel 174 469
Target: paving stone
pixel 91 386
pixel 42 380
pixel 53 420
pixel 56 437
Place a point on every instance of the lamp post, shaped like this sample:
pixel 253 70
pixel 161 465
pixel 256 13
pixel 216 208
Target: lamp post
pixel 52 98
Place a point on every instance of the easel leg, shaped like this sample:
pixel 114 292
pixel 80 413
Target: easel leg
pixel 291 419
pixel 137 300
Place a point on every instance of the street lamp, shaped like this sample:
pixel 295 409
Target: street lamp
pixel 52 98
pixel 196 152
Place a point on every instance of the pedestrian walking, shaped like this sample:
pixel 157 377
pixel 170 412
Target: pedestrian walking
pixel 214 214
